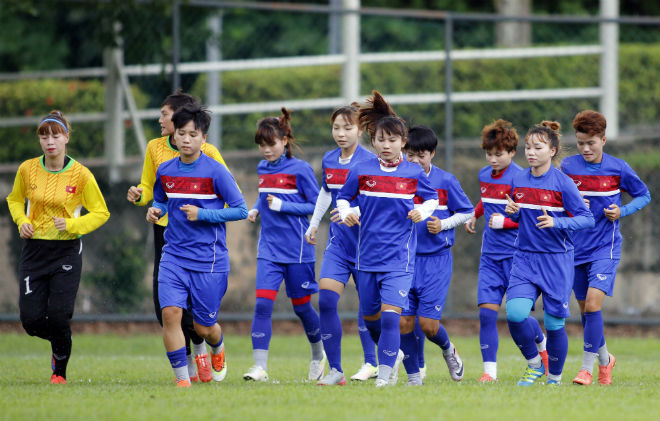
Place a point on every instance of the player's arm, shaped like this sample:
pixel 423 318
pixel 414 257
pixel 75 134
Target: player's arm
pixel 236 210
pixel 582 218
pixel 323 202
pixel 641 195
pixel 308 188
pixel 98 214
pixel 346 195
pixel 147 180
pixel 16 203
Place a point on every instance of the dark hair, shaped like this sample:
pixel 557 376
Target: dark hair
pixel 350 113
pixel 500 134
pixel 196 113
pixel 378 115
pixel 271 128
pixel 548 131
pixel 179 99
pixel 590 122
pixel 420 139
pixel 55 122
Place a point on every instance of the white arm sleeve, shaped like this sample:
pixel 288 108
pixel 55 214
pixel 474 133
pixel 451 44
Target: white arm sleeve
pixel 427 208
pixel 455 220
pixel 323 202
pixel 344 208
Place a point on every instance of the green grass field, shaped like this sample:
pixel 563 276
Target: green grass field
pixel 128 377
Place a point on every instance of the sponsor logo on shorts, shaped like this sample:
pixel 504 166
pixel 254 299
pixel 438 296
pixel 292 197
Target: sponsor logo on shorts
pixel 403 293
pixel 258 334
pixel 565 305
pixel 67 267
pixel 601 276
pixel 305 284
pixel 326 336
pixel 390 353
pixel 212 315
pixel 438 308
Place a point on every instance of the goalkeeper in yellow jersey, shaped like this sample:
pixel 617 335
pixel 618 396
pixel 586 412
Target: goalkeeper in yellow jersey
pixel 158 151
pixel 45 203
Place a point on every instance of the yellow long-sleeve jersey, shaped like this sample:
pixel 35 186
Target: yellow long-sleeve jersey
pixel 158 151
pixel 60 194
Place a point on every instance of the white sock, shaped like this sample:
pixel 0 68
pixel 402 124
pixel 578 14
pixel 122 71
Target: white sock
pixel 556 377
pixel 200 349
pixel 317 350
pixel 449 350
pixel 181 373
pixel 192 368
pixel 588 361
pixel 541 345
pixel 261 358
pixel 535 362
pixel 490 368
pixel 415 379
pixel 603 355
pixel 384 372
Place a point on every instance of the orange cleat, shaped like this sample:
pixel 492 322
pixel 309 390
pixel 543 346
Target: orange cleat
pixel 486 378
pixel 194 379
pixel 605 372
pixel 55 379
pixel 219 365
pixel 203 367
pixel 544 359
pixel 182 383
pixel 583 377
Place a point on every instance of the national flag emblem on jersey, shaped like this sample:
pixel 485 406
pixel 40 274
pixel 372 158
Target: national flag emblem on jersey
pixel 494 193
pixel 532 198
pixel 383 186
pixel 188 187
pixel 278 183
pixel 597 185
pixel 442 200
pixel 335 177
pixel 70 189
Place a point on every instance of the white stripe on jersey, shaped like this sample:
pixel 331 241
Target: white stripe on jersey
pixel 391 195
pixel 439 207
pixel 494 201
pixel 601 193
pixel 540 207
pixel 190 196
pixel 275 190
pixel 335 186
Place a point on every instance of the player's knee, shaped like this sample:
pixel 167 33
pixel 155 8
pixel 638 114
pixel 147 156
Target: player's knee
pixel 263 307
pixel 517 309
pixel 59 323
pixel 300 304
pixel 202 330
pixel 429 327
pixel 407 324
pixel 34 326
pixel 553 323
pixel 171 316
pixel 328 301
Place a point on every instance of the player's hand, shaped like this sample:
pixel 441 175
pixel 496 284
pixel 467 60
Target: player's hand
pixel 310 235
pixel 434 224
pixel 613 212
pixel 350 220
pixel 252 215
pixel 471 225
pixel 415 215
pixel 545 220
pixel 153 215
pixel 334 215
pixel 586 201
pixel 134 194
pixel 60 223
pixel 26 231
pixel 270 198
pixel 496 221
pixel 191 212
pixel 511 206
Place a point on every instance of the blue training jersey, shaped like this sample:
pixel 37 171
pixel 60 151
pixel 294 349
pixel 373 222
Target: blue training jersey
pixel 387 240
pixel 555 192
pixel 196 245
pixel 497 243
pixel 341 239
pixel 602 187
pixel 451 200
pixel 282 233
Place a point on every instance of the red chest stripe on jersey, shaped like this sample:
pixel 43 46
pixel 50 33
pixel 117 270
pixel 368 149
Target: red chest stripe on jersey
pixel 187 185
pixel 596 183
pixel 384 184
pixel 494 191
pixel 540 197
pixel 442 198
pixel 277 181
pixel 335 177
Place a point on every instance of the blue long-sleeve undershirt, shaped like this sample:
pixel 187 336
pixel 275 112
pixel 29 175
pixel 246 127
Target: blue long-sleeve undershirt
pixel 298 209
pixel 577 222
pixel 212 215
pixel 636 204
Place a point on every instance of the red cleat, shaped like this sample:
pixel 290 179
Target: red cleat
pixel 605 372
pixel 544 359
pixel 486 378
pixel 182 383
pixel 583 377
pixel 55 379
pixel 204 367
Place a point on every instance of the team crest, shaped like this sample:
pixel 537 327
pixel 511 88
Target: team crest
pixel 601 276
pixel 371 183
pixel 169 184
pixel 328 176
pixel 483 189
pixel 519 195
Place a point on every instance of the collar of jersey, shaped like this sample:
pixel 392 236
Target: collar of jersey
pixel 67 165
pixel 278 161
pixel 183 167
pixel 169 143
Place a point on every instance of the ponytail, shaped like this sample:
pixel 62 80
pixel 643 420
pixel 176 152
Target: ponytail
pixel 378 114
pixel 547 132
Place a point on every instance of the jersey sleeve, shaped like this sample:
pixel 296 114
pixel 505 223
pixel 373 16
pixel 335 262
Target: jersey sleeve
pixel 16 201
pixel 424 188
pixel 158 192
pixel 148 178
pixel 308 188
pixel 631 183
pixel 225 183
pixel 350 189
pixel 457 200
pixel 479 210
pixel 581 217
pixel 98 214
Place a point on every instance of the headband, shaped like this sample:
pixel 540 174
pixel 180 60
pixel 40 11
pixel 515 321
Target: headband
pixel 56 121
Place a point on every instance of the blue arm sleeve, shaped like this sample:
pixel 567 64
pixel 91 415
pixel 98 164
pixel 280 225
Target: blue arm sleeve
pixel 515 217
pixel 575 223
pixel 161 206
pixel 636 204
pixel 298 209
pixel 223 215
pixel 574 205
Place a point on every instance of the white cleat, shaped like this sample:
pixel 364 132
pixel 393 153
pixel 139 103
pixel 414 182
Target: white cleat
pixel 381 383
pixel 256 373
pixel 317 368
pixel 454 364
pixel 366 372
pixel 394 375
pixel 422 372
pixel 333 378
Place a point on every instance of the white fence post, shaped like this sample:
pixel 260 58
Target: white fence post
pixel 114 123
pixel 609 65
pixel 213 78
pixel 350 75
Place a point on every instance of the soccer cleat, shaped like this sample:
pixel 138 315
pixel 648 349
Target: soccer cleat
pixel 317 368
pixel 545 360
pixel 530 376
pixel 366 372
pixel 381 383
pixel 422 372
pixel 219 365
pixel 487 378
pixel 203 363
pixel 256 373
pixel 333 378
pixel 55 379
pixel 394 375
pixel 454 364
pixel 605 372
pixel 194 379
pixel 553 382
pixel 182 383
pixel 583 377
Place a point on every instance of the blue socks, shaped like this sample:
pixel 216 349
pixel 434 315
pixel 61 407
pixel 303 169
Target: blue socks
pixel 488 336
pixel 374 328
pixel 441 338
pixel 409 348
pixel 262 328
pixel 536 328
pixel 421 338
pixel 310 321
pixel 368 344
pixel 179 363
pixel 523 336
pixel 390 338
pixel 593 331
pixel 557 350
pixel 331 331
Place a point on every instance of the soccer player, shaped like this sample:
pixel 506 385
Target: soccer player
pixel 385 187
pixel 601 178
pixel 548 209
pixel 287 194
pixel 339 257
pixel 193 190
pixel 433 261
pixel 56 188
pixel 499 139
pixel 158 151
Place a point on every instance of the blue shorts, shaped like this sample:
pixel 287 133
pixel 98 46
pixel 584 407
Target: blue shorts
pixel 298 278
pixel 550 274
pixel 337 268
pixel 598 274
pixel 201 292
pixel 493 279
pixel 376 288
pixel 430 285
